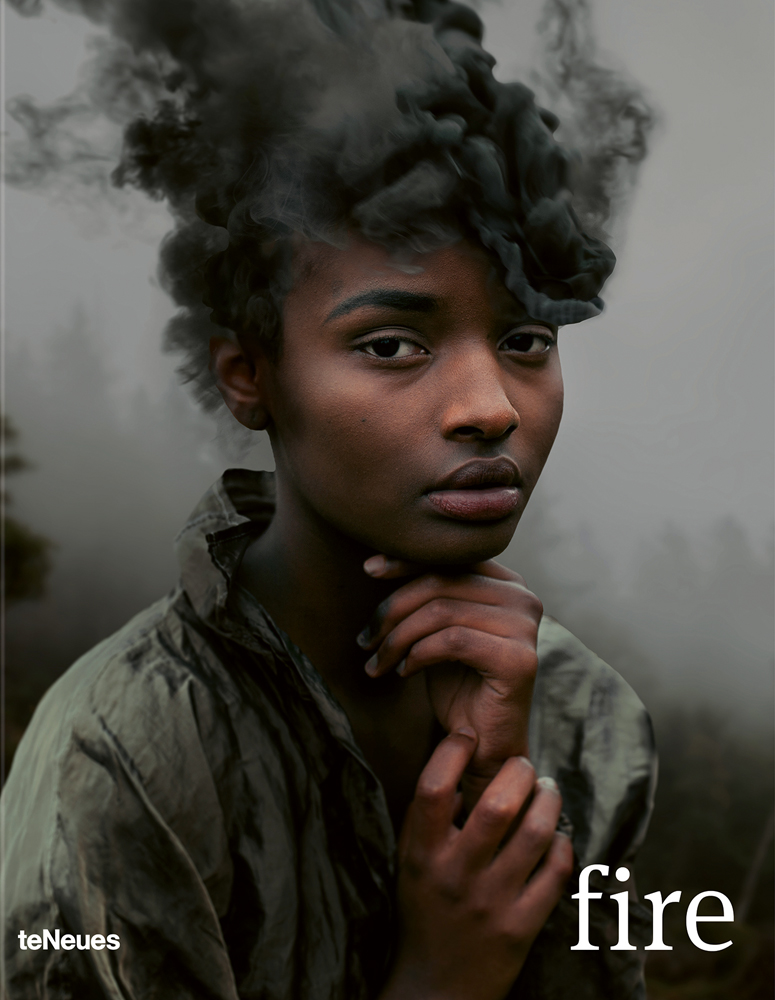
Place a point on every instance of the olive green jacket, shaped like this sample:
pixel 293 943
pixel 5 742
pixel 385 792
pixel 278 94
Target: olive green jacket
pixel 192 786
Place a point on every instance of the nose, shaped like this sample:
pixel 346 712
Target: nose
pixel 479 407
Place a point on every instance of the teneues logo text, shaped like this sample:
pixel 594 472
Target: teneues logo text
pixel 57 940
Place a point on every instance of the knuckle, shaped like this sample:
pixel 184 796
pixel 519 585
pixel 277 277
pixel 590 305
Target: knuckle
pixel 538 830
pixel 456 639
pixel 496 812
pixel 432 791
pixel 449 887
pixel 442 609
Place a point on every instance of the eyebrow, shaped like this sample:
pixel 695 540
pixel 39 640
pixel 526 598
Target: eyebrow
pixel 389 298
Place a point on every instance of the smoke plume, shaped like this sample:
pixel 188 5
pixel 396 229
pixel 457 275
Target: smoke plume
pixel 258 119
pixel 603 111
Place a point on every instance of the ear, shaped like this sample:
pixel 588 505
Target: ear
pixel 238 380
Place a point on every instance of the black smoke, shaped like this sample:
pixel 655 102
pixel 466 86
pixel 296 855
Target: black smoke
pixel 604 113
pixel 258 119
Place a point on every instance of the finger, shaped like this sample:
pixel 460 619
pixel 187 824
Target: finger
pixel 436 615
pixel 463 586
pixel 436 800
pixel 457 818
pixel 430 586
pixel 502 663
pixel 543 891
pixel 532 838
pixel 499 806
pixel 384 568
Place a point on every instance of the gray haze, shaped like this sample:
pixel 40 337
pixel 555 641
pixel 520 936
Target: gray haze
pixel 653 529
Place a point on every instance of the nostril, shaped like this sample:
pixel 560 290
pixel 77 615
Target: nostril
pixel 490 434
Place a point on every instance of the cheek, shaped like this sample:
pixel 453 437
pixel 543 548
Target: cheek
pixel 334 432
pixel 541 412
pixel 555 402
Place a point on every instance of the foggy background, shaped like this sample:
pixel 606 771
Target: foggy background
pixel 652 534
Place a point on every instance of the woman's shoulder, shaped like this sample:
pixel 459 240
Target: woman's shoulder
pixel 143 722
pixel 590 731
pixel 131 690
pixel 115 815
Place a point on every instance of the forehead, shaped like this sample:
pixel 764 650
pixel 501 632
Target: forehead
pixel 324 276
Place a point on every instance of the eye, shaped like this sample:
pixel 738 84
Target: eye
pixel 392 347
pixel 528 341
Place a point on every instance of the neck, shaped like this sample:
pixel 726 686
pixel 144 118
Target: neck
pixel 311 580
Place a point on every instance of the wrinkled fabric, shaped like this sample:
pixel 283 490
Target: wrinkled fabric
pixel 192 786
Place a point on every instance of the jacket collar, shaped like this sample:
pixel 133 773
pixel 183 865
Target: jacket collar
pixel 209 549
pixel 233 512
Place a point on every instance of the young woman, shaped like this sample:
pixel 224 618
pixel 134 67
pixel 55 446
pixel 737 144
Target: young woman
pixel 208 804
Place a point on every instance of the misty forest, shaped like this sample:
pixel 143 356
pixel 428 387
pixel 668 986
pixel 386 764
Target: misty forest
pixel 649 537
pixel 101 485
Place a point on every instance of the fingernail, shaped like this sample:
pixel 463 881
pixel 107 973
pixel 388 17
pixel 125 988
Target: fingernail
pixel 401 668
pixel 364 639
pixel 466 731
pixel 371 667
pixel 375 565
pixel 548 783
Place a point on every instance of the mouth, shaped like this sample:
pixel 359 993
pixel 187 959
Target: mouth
pixel 483 490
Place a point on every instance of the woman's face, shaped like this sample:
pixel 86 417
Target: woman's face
pixel 410 410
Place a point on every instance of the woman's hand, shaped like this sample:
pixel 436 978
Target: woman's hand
pixel 471 904
pixel 477 629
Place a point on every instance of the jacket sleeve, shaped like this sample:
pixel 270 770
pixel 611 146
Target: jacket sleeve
pixel 590 731
pixel 103 839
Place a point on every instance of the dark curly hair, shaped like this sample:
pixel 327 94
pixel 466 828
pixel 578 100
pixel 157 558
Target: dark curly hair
pixel 260 119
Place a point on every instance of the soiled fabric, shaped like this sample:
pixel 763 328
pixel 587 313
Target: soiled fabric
pixel 192 786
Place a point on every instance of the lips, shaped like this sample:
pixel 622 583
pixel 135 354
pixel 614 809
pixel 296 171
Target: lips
pixel 483 490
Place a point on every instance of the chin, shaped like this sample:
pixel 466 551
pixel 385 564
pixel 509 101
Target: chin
pixel 464 544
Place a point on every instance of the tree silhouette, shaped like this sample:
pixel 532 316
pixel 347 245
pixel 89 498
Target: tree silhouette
pixel 26 554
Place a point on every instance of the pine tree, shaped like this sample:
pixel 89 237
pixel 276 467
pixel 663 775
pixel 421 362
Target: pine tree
pixel 26 554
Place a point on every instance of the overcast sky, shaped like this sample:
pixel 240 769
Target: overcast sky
pixel 669 413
